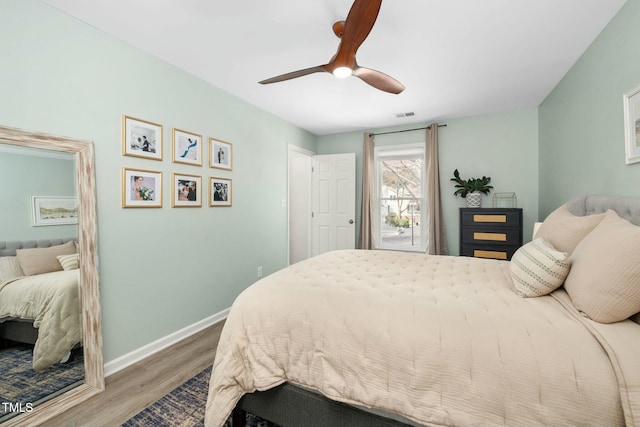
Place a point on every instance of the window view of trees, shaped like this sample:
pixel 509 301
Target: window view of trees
pixel 401 199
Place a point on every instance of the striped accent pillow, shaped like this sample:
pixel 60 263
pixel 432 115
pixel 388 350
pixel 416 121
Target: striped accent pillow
pixel 538 268
pixel 69 262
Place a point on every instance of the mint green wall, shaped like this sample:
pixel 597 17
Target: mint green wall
pixel 582 124
pixel 25 175
pixel 503 146
pixel 160 269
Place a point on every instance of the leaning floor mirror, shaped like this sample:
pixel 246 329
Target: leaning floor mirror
pixel 35 159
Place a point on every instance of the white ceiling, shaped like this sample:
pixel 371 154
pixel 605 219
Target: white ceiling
pixel 456 57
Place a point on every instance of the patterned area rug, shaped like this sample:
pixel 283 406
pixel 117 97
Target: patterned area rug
pixel 184 407
pixel 19 383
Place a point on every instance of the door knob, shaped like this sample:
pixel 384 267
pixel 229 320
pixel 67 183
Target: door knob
pixel 350 221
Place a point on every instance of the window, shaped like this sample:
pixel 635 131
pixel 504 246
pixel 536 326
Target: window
pixel 400 176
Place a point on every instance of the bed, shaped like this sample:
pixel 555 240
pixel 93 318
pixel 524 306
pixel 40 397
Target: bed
pixel 367 338
pixel 40 298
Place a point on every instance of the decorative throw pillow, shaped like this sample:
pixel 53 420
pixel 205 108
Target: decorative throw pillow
pixel 69 262
pixel 10 268
pixel 537 269
pixel 43 260
pixel 604 282
pixel 565 230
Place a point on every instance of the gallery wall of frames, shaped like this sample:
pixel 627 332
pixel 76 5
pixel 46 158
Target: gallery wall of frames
pixel 142 188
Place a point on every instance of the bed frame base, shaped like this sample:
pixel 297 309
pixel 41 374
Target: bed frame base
pixel 291 406
pixel 19 331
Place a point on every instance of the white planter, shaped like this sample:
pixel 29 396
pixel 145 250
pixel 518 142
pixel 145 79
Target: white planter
pixel 474 200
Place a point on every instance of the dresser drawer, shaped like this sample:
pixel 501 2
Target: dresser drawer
pixel 506 218
pixel 493 252
pixel 502 236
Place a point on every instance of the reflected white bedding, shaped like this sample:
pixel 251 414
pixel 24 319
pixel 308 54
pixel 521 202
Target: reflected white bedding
pixel 52 301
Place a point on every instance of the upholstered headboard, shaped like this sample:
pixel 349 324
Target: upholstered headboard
pixel 9 247
pixel 626 207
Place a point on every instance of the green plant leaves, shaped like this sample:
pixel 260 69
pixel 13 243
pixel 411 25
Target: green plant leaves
pixel 471 185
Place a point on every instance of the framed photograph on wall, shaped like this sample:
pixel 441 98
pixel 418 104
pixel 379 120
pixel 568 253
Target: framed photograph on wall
pixel 187 147
pixel 49 210
pixel 186 191
pixel 220 154
pixel 632 125
pixel 141 188
pixel 141 138
pixel 219 191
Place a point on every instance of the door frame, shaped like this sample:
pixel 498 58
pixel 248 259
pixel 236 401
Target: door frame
pixel 296 151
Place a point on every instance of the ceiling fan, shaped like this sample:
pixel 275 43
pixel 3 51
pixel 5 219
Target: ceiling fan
pixel 352 33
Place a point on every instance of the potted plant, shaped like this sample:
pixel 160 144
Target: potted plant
pixel 471 189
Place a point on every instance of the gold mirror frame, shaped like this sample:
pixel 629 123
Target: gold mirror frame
pixel 87 238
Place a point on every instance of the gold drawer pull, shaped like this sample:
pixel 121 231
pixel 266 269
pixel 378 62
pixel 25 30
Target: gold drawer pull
pixel 496 237
pixel 489 218
pixel 489 254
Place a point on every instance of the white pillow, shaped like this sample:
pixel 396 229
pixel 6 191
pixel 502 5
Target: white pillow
pixel 10 268
pixel 537 268
pixel 69 262
pixel 565 230
pixel 604 282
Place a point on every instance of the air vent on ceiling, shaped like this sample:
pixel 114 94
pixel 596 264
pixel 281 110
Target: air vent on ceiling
pixel 409 114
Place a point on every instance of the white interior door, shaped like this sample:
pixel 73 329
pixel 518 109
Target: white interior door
pixel 334 202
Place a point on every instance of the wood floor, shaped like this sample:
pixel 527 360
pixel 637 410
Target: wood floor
pixel 129 391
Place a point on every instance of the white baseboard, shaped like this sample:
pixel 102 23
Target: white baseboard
pixel 143 352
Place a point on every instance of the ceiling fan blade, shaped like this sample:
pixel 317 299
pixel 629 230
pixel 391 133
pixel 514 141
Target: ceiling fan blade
pixel 359 22
pixel 378 80
pixel 294 74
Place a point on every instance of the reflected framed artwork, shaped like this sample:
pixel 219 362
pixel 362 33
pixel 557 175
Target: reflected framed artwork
pixel 141 188
pixel 186 191
pixel 220 154
pixel 141 138
pixel 632 125
pixel 54 210
pixel 220 192
pixel 187 147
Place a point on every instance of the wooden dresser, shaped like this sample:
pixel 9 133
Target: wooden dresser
pixel 490 232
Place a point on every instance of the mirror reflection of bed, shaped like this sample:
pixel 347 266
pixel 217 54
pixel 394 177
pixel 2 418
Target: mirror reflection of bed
pixel 39 362
pixel 45 292
pixel 48 277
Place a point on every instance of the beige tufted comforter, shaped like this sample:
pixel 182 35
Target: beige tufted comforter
pixel 52 301
pixel 439 340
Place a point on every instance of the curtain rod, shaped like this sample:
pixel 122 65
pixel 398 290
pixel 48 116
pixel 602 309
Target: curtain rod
pixel 407 130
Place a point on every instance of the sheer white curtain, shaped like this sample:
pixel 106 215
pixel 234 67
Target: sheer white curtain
pixel 367 224
pixel 436 239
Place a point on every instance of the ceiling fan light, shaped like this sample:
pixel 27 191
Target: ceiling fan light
pixel 342 72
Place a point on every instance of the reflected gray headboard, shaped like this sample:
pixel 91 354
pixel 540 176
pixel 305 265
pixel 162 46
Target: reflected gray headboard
pixel 626 207
pixel 9 247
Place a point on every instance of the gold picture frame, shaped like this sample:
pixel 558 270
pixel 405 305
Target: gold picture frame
pixel 220 154
pixel 186 191
pixel 141 138
pixel 220 192
pixel 141 188
pixel 186 147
